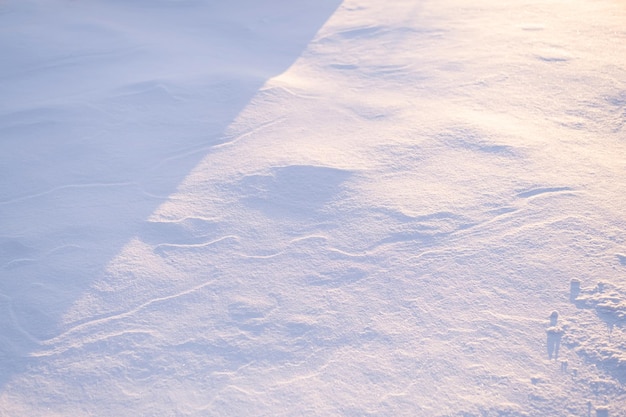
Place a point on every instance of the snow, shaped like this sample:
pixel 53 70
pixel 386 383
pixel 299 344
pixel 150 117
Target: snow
pixel 312 208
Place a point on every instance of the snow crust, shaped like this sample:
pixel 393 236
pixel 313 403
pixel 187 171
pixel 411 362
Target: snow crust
pixel 318 207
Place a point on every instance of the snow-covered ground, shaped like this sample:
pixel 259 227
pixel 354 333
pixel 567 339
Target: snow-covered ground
pixel 312 207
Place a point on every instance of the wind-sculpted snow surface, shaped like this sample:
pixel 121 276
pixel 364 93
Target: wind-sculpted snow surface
pixel 409 208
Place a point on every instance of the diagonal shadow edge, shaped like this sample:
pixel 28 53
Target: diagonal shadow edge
pixel 73 157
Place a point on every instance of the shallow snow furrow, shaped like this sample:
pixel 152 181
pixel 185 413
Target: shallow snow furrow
pixel 204 149
pixel 67 187
pixel 164 247
pixel 71 338
pixel 539 191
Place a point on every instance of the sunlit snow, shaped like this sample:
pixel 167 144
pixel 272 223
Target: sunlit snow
pixel 312 207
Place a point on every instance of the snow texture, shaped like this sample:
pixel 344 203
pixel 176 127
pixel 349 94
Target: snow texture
pixel 312 208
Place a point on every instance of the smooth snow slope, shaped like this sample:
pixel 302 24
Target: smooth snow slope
pixel 371 208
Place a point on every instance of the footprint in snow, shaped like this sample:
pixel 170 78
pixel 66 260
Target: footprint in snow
pixel 554 334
